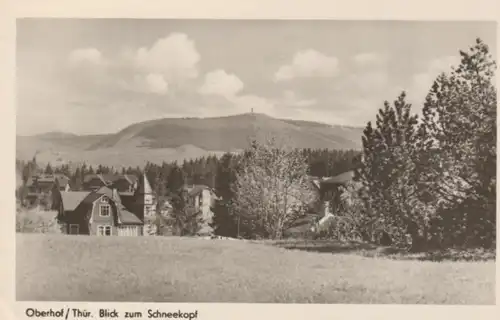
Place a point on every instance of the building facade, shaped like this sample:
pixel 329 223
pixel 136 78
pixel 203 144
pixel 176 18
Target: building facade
pixel 104 211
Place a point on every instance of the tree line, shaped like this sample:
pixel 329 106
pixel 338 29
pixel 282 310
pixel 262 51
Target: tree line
pixel 203 170
pixel 430 182
pixel 219 173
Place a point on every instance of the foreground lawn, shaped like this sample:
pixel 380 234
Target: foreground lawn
pixel 83 268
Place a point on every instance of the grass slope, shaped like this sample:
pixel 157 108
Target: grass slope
pixel 232 133
pixel 73 268
pixel 178 139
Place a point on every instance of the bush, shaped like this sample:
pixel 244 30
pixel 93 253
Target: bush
pixel 351 221
pixel 37 221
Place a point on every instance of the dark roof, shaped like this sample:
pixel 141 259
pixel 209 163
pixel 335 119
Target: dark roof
pixel 108 178
pixel 87 200
pixel 126 193
pixel 72 199
pixel 196 189
pixel 46 185
pixel 327 182
pixel 143 186
pixel 131 178
pixel 48 179
pixel 62 179
pixel 89 177
pixel 339 179
pixel 45 178
pixel 127 217
pixel 128 201
pixel 93 196
pixel 106 191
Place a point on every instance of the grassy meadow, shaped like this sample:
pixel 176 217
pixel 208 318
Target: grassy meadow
pixel 144 269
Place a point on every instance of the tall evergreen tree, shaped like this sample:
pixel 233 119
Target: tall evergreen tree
pixel 76 180
pixel 224 221
pixel 387 170
pixel 48 169
pixel 184 219
pixel 459 131
pixel 175 180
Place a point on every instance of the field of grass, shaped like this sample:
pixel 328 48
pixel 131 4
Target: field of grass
pixel 83 268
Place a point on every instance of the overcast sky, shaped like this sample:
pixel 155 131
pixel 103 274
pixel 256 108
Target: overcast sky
pixel 98 76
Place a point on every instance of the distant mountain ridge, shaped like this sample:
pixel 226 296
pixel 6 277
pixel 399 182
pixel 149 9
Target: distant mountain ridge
pixel 232 132
pixel 190 136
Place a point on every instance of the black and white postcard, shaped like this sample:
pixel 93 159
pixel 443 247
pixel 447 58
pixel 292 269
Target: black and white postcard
pixel 167 164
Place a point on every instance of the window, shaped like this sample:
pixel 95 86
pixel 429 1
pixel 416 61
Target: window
pixel 103 230
pixel 128 231
pixel 74 229
pixel 104 210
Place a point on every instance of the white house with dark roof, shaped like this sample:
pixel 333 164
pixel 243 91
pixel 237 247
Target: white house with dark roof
pixel 320 216
pixel 202 198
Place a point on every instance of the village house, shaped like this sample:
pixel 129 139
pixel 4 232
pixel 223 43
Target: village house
pixel 320 213
pixel 105 211
pixel 119 205
pixel 199 197
pixel 202 198
pixel 330 191
pixel 39 189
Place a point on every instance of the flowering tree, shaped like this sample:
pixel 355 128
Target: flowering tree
pixel 272 188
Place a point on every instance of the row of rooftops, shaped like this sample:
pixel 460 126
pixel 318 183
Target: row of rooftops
pixel 47 180
pixel 145 187
pixel 62 179
pixel 109 178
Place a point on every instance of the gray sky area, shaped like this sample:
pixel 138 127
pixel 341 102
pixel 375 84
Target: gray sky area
pixel 98 76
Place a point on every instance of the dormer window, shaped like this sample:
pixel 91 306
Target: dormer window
pixel 104 207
